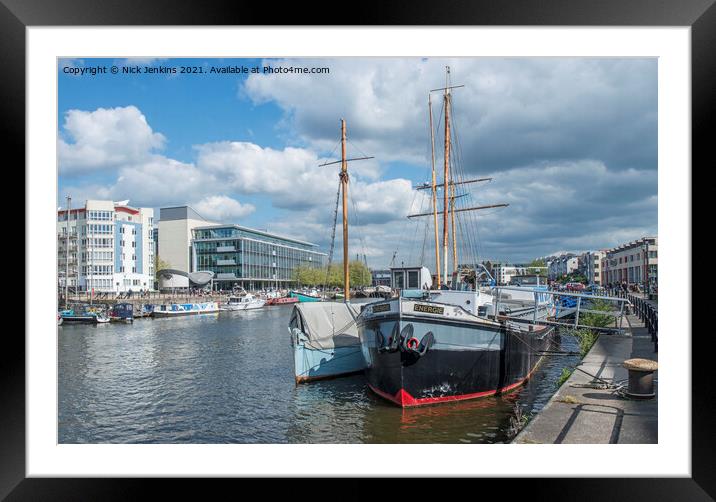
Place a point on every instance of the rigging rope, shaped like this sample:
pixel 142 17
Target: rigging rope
pixel 333 235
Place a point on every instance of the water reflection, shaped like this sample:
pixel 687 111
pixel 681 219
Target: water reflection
pixel 228 378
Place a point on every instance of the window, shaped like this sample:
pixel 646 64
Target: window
pixel 413 280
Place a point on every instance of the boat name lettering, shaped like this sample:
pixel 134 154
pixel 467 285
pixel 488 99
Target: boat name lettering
pixel 428 309
pixel 384 307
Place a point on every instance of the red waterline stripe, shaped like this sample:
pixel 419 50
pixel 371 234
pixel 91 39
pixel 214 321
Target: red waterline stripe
pixel 404 399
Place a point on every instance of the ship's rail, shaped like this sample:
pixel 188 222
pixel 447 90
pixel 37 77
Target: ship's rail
pixel 563 305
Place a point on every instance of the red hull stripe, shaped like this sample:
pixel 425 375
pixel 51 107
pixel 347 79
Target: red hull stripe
pixel 404 399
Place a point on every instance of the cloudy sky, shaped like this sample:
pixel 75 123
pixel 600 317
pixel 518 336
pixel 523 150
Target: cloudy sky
pixel 571 145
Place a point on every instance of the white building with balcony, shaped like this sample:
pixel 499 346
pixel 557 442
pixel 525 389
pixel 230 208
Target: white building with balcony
pixel 110 246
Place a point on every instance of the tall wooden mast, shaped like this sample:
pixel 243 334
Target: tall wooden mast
pixel 446 176
pixel 344 190
pixel 448 188
pixel 435 201
pixel 344 186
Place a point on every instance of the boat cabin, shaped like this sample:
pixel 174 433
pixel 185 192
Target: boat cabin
pixel 122 311
pixel 411 278
pixel 236 300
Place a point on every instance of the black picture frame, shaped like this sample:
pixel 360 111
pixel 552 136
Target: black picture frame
pixel 700 15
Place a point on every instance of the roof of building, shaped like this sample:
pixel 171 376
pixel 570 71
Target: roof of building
pixel 179 213
pixel 632 244
pixel 122 206
pixel 259 232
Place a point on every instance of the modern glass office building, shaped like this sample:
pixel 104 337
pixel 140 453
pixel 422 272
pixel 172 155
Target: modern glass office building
pixel 251 258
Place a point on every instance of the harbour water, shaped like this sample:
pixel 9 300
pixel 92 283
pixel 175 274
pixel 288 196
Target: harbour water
pixel 227 378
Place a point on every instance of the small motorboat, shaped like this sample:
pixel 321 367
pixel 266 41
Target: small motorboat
pixel 101 318
pixel 175 309
pixel 284 300
pixel 244 302
pixel 83 314
pixel 122 312
pixel 304 297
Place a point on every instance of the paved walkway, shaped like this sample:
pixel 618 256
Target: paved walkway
pixel 599 416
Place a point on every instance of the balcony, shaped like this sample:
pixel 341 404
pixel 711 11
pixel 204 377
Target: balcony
pixel 225 249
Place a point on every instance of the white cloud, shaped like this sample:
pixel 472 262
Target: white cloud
pixel 294 179
pixel 511 112
pixel 161 181
pixel 105 138
pixel 570 143
pixel 221 208
pixel 292 173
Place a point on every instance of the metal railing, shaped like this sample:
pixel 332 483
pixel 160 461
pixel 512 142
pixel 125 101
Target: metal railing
pixel 649 315
pixel 558 298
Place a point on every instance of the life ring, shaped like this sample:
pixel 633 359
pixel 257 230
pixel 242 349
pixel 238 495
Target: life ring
pixel 413 343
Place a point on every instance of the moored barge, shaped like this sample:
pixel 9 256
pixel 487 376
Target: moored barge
pixel 420 352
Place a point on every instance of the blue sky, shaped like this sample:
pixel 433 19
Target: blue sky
pixel 570 142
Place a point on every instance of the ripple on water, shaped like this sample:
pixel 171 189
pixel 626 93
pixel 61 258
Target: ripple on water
pixel 229 379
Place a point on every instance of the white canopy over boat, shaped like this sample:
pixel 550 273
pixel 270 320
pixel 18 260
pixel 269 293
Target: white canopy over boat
pixel 326 324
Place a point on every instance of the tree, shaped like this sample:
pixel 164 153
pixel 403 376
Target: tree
pixel 538 267
pixel 332 276
pixel 573 277
pixel 159 264
pixel 309 276
pixel 360 274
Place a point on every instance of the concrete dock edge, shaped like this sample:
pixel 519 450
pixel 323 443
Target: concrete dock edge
pixel 581 412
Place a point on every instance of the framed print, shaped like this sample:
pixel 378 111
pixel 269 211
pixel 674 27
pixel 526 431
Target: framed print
pixel 421 243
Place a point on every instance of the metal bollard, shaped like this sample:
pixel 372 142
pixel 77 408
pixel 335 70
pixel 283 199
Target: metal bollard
pixel 641 378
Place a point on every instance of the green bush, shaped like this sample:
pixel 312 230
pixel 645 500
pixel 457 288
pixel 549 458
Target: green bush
pixel 314 276
pixel 566 373
pixel 597 320
pixel 586 338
